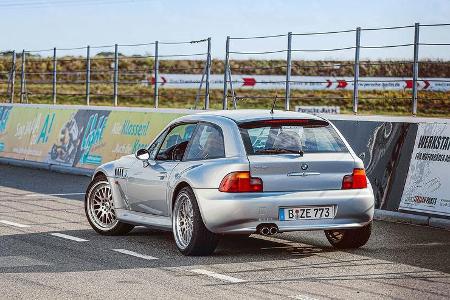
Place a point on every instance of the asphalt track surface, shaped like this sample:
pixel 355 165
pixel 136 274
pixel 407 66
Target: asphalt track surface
pixel 48 251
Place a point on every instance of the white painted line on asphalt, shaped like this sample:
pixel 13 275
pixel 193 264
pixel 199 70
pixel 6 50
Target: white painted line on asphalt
pixel 302 297
pixel 63 194
pixel 135 254
pixel 14 224
pixel 217 275
pixel 68 237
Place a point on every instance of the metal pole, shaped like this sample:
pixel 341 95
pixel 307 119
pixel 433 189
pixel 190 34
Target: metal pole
pixel 156 74
pixel 415 68
pixel 225 77
pixel 208 72
pixel 88 74
pixel 13 76
pixel 54 76
pixel 288 73
pixel 116 72
pixel 356 71
pixel 22 78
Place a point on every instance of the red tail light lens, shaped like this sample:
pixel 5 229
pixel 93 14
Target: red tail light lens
pixel 357 180
pixel 240 182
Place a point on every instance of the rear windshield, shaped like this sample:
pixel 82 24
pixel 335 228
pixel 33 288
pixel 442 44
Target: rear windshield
pixel 290 136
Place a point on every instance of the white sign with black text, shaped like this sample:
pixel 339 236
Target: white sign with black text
pixel 427 187
pixel 330 110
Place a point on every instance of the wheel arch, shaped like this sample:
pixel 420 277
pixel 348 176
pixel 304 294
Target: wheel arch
pixel 178 188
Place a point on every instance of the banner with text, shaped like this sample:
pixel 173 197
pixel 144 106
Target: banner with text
pixel 427 182
pixel 76 137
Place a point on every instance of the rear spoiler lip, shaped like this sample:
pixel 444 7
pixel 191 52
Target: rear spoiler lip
pixel 258 123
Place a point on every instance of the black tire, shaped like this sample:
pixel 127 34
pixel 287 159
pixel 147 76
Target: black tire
pixel 202 242
pixel 349 238
pixel 118 228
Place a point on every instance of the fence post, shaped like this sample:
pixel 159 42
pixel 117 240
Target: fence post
pixel 225 72
pixel 415 68
pixel 208 72
pixel 54 76
pixel 288 73
pixel 156 74
pixel 356 71
pixel 116 72
pixel 88 74
pixel 22 78
pixel 13 77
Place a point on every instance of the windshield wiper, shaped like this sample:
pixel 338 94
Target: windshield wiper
pixel 279 150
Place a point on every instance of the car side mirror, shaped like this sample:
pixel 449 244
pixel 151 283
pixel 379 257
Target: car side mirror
pixel 143 155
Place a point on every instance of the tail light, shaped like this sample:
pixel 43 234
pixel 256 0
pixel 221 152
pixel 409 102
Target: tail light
pixel 240 182
pixel 357 180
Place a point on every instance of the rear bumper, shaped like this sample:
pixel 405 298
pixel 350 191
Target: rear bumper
pixel 242 213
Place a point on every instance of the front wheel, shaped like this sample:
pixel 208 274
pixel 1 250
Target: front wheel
pixel 99 209
pixel 349 238
pixel 191 235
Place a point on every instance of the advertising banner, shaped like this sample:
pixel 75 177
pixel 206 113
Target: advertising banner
pixel 108 135
pixel 82 138
pixel 428 179
pixel 29 131
pixel 241 81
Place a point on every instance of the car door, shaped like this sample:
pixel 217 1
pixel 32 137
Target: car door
pixel 147 183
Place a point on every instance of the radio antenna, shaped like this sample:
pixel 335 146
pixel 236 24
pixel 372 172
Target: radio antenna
pixel 273 103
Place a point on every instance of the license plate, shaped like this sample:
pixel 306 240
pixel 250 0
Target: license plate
pixel 306 213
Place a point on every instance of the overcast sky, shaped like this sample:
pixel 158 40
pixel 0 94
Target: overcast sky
pixel 40 24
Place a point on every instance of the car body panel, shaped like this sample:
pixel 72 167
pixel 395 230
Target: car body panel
pixel 132 180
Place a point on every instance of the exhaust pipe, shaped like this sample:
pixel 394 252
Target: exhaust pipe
pixel 273 230
pixel 267 229
pixel 264 230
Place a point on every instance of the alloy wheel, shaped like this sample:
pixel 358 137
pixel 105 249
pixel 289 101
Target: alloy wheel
pixel 101 206
pixel 184 220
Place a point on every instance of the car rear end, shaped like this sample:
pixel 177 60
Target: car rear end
pixel 302 175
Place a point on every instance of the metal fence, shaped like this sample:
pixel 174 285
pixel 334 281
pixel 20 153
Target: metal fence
pixel 100 75
pixel 98 79
pixel 357 47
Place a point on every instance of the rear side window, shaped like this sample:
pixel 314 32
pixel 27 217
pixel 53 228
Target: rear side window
pixel 290 136
pixel 207 143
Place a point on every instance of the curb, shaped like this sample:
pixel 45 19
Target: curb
pixel 400 217
pixel 46 166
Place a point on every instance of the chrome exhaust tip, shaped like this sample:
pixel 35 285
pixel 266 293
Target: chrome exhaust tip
pixel 264 230
pixel 273 230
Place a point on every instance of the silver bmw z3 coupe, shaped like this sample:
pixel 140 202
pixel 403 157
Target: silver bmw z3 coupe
pixel 237 172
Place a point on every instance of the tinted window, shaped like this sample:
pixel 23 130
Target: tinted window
pixel 156 144
pixel 206 144
pixel 175 142
pixel 270 137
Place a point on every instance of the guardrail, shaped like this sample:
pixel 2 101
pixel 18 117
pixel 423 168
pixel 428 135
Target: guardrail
pixel 105 75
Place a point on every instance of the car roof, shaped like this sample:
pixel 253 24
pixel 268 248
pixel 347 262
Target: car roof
pixel 248 115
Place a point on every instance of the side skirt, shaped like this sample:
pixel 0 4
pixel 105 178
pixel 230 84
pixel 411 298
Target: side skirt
pixel 143 219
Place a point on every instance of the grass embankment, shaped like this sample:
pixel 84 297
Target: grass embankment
pixel 71 76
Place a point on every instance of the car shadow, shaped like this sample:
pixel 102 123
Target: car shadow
pixel 42 252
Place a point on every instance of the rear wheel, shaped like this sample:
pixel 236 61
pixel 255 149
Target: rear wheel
pixel 349 238
pixel 191 235
pixel 99 209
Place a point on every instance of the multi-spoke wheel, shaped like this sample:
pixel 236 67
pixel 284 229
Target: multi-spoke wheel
pixel 349 238
pixel 189 231
pixel 99 208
